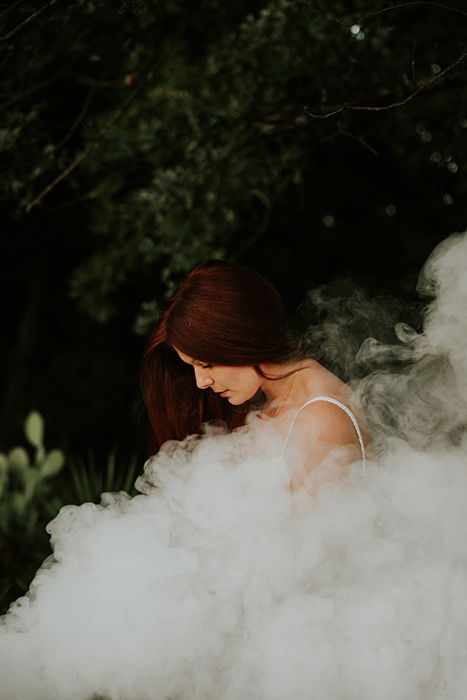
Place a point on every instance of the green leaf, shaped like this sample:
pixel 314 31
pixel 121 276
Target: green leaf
pixel 130 474
pixel 34 429
pixel 110 472
pixel 52 464
pixel 18 459
pixel 30 482
pixel 18 502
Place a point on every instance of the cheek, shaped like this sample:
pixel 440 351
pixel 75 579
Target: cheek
pixel 252 380
pixel 244 380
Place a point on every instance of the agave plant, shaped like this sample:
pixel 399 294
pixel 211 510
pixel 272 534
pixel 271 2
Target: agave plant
pixel 90 479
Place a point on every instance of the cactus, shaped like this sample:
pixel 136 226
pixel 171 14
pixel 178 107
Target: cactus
pixel 22 478
pixel 34 429
pixel 30 497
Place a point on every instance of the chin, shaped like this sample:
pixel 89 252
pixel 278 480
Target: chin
pixel 236 400
pixel 239 400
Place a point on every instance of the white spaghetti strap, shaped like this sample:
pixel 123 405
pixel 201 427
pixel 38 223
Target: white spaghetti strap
pixel 329 399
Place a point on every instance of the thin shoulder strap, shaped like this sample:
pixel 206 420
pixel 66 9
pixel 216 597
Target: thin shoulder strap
pixel 336 403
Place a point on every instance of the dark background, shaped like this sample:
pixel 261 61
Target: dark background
pixel 311 140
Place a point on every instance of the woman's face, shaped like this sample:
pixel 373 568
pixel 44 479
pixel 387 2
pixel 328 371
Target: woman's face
pixel 236 384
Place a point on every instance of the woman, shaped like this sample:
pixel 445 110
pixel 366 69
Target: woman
pixel 222 347
pixel 172 594
pixel 208 586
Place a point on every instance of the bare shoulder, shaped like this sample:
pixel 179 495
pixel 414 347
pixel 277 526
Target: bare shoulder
pixel 321 444
pixel 327 422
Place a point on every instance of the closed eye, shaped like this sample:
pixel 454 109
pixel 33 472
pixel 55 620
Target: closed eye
pixel 209 365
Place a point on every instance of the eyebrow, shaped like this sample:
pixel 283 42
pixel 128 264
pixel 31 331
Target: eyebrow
pixel 192 361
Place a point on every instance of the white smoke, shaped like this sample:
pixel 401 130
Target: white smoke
pixel 418 391
pixel 217 584
pixel 445 275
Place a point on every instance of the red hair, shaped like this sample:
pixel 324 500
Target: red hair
pixel 222 314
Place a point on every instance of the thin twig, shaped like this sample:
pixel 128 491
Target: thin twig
pixel 326 115
pixel 78 120
pixel 361 141
pixel 26 93
pixel 90 146
pixel 28 20
pixel 401 6
pixel 412 65
pixel 12 7
pixel 393 105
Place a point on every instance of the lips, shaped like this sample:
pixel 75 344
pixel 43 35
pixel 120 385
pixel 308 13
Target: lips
pixel 222 393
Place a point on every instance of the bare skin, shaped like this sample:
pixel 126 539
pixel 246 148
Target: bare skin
pixel 320 429
pixel 323 440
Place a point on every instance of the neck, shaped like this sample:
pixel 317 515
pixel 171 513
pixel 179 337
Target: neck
pixel 287 389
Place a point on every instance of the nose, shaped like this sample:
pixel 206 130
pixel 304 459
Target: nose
pixel 203 380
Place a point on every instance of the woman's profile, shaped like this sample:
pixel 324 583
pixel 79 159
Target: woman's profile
pixel 224 346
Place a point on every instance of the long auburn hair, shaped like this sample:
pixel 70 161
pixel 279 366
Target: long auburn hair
pixel 223 314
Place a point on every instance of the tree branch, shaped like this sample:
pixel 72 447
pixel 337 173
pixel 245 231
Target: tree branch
pixel 26 93
pixel 384 108
pixel 28 20
pixel 12 7
pixel 401 6
pixel 146 75
pixel 360 140
pixel 90 146
pixel 78 119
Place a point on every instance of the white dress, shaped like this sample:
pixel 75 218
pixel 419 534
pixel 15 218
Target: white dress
pixel 210 586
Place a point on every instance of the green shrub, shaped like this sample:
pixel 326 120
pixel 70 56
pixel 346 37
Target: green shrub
pixel 24 480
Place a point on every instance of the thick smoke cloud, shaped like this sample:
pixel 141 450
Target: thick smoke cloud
pixel 419 391
pixel 216 583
